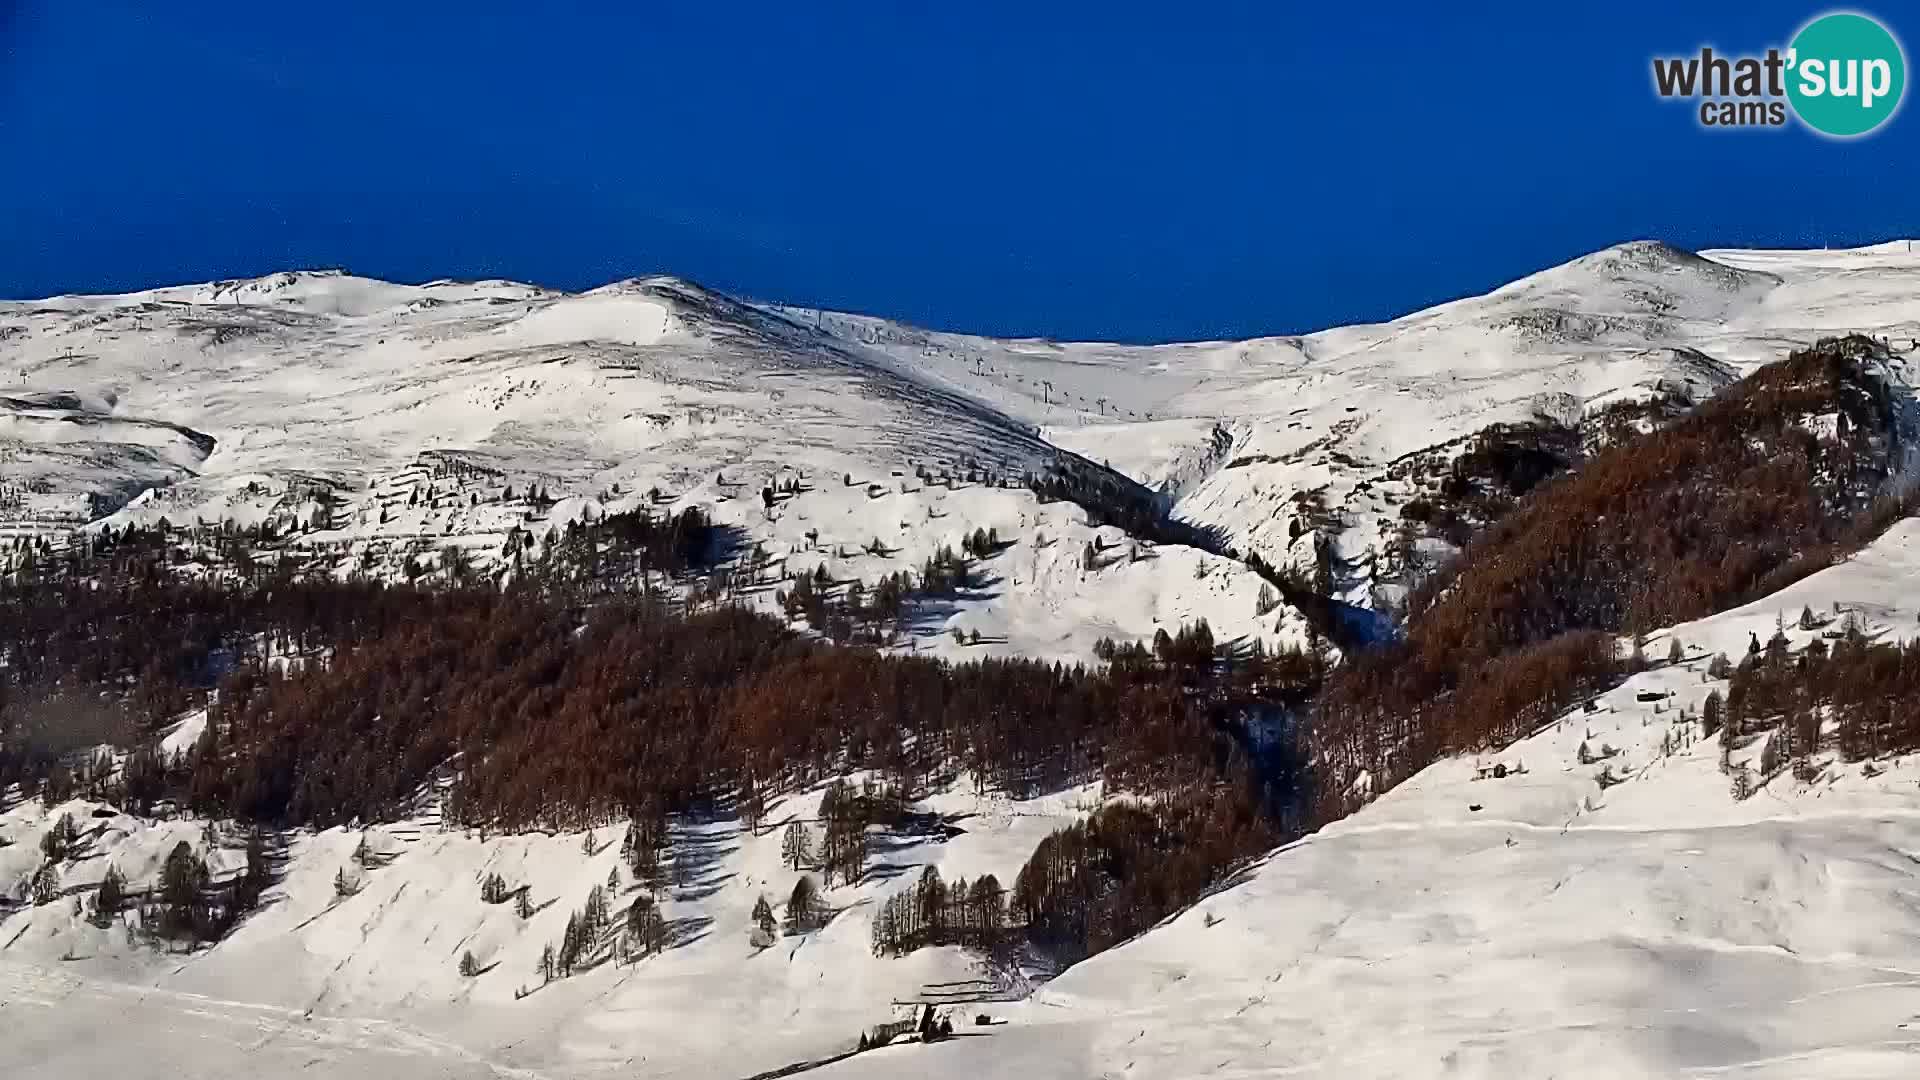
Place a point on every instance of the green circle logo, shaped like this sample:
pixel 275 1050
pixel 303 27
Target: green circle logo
pixel 1847 74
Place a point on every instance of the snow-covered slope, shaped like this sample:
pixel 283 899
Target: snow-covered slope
pixel 427 415
pixel 1504 916
pixel 1238 430
pixel 645 382
pixel 331 985
pixel 1534 924
pixel 1541 923
pixel 234 400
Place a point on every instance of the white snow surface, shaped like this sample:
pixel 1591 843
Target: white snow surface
pixel 1539 925
pixel 1235 429
pixel 235 400
pixel 369 984
pixel 1534 925
pixel 245 401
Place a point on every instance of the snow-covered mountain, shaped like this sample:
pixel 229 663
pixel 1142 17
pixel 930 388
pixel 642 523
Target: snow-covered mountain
pixel 253 401
pixel 1236 431
pixel 1539 923
pixel 1517 915
pixel 237 400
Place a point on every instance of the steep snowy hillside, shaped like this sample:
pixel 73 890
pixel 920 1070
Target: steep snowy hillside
pixel 243 399
pixel 1589 902
pixel 334 985
pixel 643 383
pixel 1622 891
pixel 378 423
pixel 1277 441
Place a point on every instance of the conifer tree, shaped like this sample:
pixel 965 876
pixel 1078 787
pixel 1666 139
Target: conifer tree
pixel 753 805
pixel 257 876
pixel 763 917
pixel 183 884
pixel 571 946
pixel 796 847
pixel 801 904
pixel 108 899
pixel 988 913
pixel 45 888
pixel 646 927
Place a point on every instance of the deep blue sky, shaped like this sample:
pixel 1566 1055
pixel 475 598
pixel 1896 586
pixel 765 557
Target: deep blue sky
pixel 1111 170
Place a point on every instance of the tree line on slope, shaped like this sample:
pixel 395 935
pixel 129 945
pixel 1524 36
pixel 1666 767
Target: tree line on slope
pixel 1759 486
pixel 1843 692
pixel 552 705
pixel 185 905
pixel 564 701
